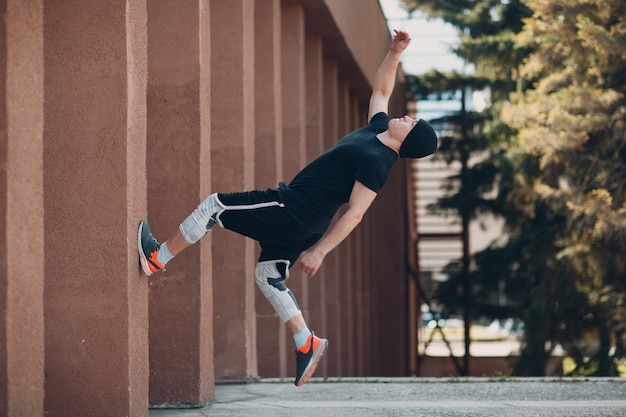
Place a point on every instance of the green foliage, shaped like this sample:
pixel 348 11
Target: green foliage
pixel 572 119
pixel 441 84
pixel 549 157
pixel 487 29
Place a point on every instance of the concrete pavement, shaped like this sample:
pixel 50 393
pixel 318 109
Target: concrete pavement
pixel 400 397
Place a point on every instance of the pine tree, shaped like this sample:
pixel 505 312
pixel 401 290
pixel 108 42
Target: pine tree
pixel 555 135
pixel 486 32
pixel 572 118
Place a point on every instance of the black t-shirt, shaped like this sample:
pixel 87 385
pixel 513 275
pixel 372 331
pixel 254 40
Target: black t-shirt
pixel 316 193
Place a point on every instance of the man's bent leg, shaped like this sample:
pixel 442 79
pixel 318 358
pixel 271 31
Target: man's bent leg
pixel 270 277
pixel 154 255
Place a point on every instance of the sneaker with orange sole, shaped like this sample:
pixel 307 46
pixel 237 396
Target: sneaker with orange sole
pixel 148 250
pixel 308 357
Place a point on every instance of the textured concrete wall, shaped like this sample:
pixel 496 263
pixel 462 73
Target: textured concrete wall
pixel 117 111
pixel 313 309
pixel 268 159
pixel 232 161
pixel 95 299
pixel 179 174
pixel 21 208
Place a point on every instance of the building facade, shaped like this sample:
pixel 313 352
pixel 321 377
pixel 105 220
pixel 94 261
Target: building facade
pixel 115 111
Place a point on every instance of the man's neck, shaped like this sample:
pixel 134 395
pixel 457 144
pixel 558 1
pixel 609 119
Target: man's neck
pixel 389 141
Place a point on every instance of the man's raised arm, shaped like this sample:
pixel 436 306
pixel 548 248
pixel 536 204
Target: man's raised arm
pixel 385 78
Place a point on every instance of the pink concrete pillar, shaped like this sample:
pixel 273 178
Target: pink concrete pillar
pixel 344 107
pixel 232 163
pixel 359 114
pixel 315 311
pixel 364 296
pixel 354 313
pixel 268 159
pixel 294 128
pixel 390 277
pixel 360 311
pixel 96 307
pixel 341 279
pixel 331 266
pixel 348 284
pixel 314 64
pixel 293 88
pixel 21 208
pixel 346 297
pixel 178 167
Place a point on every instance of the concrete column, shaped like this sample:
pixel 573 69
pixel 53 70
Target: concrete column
pixel 232 161
pixel 344 107
pixel 268 160
pixel 393 225
pixel 96 307
pixel 353 313
pixel 345 250
pixel 294 129
pixel 293 88
pixel 390 277
pixel 367 245
pixel 331 270
pixel 359 290
pixel 178 166
pixel 315 311
pixel 359 114
pixel 346 297
pixel 21 208
pixel 341 278
pixel 314 64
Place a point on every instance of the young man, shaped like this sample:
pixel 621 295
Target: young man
pixel 293 221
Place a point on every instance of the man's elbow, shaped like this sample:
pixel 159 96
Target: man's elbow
pixel 357 217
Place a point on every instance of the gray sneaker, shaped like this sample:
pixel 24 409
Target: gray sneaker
pixel 307 360
pixel 148 250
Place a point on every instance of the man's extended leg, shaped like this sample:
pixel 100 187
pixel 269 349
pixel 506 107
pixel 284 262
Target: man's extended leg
pixel 270 277
pixel 154 255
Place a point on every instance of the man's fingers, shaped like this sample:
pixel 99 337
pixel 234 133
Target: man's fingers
pixel 304 268
pixel 309 270
pixel 401 33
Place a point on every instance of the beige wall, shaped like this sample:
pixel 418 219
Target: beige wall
pixel 117 111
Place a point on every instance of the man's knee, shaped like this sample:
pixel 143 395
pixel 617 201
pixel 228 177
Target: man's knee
pixel 272 274
pixel 201 220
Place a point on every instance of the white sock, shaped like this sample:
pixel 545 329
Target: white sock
pixel 301 337
pixel 164 255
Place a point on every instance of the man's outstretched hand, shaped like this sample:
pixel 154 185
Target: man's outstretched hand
pixel 400 41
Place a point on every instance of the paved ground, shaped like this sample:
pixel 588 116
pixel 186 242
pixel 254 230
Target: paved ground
pixel 403 397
